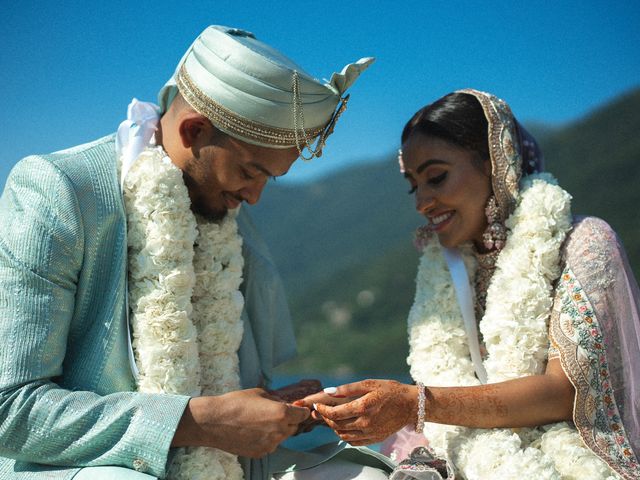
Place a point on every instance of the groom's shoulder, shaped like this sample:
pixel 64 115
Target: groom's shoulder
pixel 87 172
pixel 88 162
pixel 86 155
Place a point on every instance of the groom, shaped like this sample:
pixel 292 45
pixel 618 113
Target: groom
pixel 77 398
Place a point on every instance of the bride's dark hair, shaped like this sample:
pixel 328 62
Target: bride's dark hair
pixel 457 118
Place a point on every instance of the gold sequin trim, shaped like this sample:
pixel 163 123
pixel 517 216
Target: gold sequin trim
pixel 505 157
pixel 233 123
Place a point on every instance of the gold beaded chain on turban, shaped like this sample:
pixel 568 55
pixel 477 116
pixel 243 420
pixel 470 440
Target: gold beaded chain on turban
pixel 254 93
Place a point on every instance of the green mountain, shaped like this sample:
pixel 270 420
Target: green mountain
pixel 317 229
pixel 343 243
pixel 598 161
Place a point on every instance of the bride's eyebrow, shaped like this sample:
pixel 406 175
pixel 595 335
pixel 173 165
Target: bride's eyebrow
pixel 428 163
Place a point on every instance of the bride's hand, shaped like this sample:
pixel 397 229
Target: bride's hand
pixel 382 408
pixel 315 419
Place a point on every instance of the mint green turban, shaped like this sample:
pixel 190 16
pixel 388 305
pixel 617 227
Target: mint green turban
pixel 254 93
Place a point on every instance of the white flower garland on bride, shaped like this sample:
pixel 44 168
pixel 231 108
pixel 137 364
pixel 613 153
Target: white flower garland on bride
pixel 514 327
pixel 184 279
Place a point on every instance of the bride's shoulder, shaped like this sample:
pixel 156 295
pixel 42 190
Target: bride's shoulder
pixel 589 227
pixel 592 241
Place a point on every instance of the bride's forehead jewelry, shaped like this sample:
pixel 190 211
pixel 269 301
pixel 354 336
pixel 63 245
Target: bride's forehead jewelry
pixel 401 161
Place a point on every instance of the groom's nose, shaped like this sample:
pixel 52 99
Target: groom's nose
pixel 251 193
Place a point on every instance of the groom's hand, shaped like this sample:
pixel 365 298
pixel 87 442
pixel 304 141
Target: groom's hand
pixel 297 391
pixel 249 423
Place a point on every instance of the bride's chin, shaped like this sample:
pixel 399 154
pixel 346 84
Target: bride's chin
pixel 448 241
pixel 445 242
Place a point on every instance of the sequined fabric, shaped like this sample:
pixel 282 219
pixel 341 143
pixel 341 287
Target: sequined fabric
pixel 486 267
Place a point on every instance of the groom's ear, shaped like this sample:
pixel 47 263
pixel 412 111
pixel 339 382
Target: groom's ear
pixel 195 131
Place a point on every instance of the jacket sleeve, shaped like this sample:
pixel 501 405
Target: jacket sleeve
pixel 41 257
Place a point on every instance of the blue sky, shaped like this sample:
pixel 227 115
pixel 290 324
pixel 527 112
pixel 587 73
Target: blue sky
pixel 69 69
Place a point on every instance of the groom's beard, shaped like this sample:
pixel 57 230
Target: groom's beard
pixel 207 213
pixel 199 204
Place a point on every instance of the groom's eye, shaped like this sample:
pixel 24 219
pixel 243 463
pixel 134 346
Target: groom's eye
pixel 246 175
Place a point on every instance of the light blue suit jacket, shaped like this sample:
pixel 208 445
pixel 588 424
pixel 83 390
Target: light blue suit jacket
pixel 67 394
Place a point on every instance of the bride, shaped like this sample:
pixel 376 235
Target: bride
pixel 524 334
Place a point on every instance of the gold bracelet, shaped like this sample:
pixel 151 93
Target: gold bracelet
pixel 421 404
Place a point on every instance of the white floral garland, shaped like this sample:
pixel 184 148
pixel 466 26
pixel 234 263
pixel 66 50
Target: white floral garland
pixel 515 328
pixel 185 301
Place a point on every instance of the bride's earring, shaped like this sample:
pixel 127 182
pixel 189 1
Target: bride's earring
pixel 495 236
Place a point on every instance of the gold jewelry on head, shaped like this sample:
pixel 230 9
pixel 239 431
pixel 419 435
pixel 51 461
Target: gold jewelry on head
pixel 298 124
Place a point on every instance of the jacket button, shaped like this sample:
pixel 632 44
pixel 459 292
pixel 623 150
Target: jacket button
pixel 139 465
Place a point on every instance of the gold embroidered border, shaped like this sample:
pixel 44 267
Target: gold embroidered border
pixel 576 370
pixel 233 123
pixel 505 159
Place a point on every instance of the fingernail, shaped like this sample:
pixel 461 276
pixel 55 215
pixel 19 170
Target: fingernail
pixel 330 390
pixel 315 407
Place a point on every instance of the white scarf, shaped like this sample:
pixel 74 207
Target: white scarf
pixel 514 328
pixel 185 300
